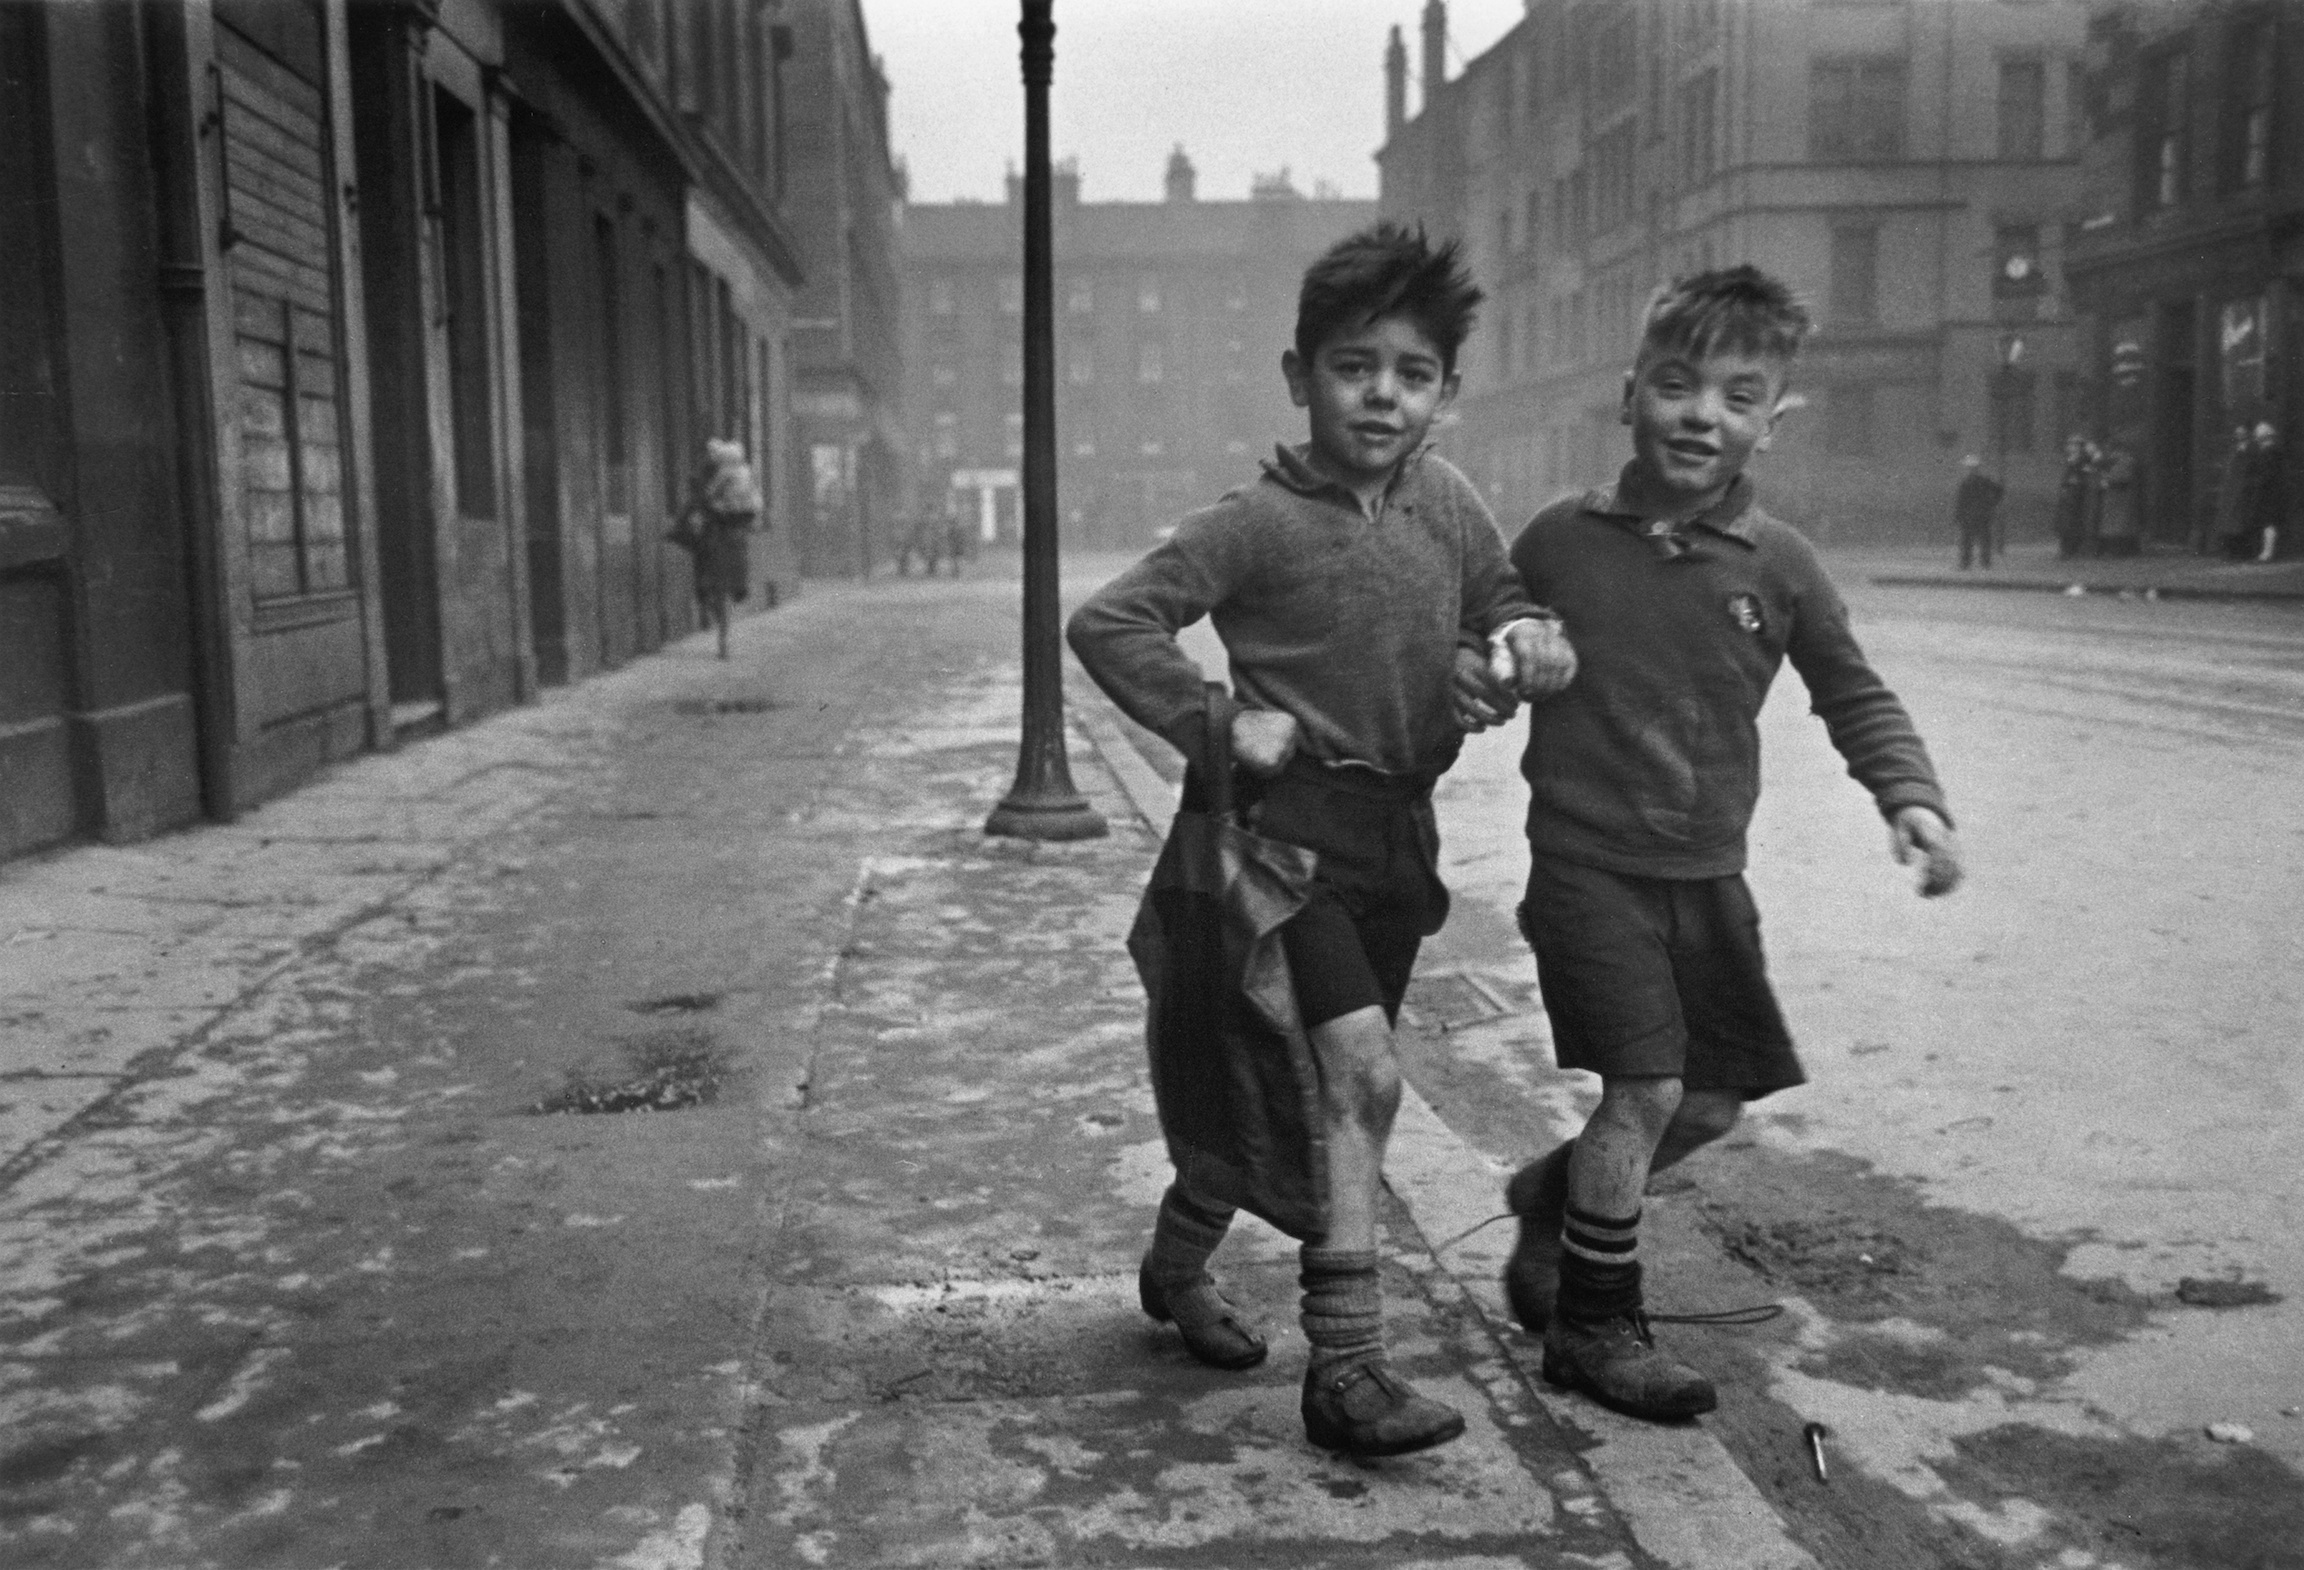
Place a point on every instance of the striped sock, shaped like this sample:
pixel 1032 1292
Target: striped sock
pixel 1343 1305
pixel 1186 1233
pixel 1599 1266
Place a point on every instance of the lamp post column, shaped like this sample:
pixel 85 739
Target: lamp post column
pixel 1042 804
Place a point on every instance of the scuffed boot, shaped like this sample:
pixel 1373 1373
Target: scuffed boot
pixel 1538 1195
pixel 1616 1363
pixel 1214 1329
pixel 1362 1408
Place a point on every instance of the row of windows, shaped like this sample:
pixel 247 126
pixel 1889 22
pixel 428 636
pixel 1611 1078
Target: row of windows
pixel 1080 295
pixel 1856 112
pixel 2167 101
pixel 945 442
pixel 1080 365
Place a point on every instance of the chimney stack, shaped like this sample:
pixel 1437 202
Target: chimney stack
pixel 1395 84
pixel 1182 178
pixel 1435 51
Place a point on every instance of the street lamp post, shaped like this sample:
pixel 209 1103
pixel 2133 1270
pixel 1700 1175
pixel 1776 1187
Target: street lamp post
pixel 1042 804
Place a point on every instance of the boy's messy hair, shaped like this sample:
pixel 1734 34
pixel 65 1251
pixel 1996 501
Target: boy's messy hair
pixel 1387 269
pixel 1737 309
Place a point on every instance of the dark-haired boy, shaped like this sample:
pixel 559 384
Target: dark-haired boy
pixel 1342 583
pixel 1682 598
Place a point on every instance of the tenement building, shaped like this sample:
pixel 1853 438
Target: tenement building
pixel 2187 252
pixel 353 361
pixel 1907 165
pixel 1171 317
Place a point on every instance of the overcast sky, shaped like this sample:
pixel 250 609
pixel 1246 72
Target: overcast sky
pixel 1248 86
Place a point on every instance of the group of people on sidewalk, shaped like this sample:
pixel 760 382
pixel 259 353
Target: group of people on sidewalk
pixel 1373 617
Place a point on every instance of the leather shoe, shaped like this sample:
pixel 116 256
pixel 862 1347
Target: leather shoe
pixel 1538 1195
pixel 1364 1409
pixel 1616 1363
pixel 1213 1327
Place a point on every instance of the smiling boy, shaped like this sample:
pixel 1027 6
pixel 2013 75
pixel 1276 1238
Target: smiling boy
pixel 1682 598
pixel 1342 583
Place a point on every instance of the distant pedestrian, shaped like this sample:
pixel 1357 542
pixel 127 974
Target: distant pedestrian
pixel 2230 529
pixel 2075 496
pixel 715 529
pixel 1975 509
pixel 1342 582
pixel 2262 498
pixel 1683 597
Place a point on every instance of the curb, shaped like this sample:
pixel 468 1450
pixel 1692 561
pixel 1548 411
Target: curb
pixel 2076 589
pixel 1677 1488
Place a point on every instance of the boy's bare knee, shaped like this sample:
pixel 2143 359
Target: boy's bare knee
pixel 1648 1102
pixel 1359 1070
pixel 1705 1115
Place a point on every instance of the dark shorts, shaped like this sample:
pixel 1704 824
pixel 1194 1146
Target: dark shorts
pixel 1376 897
pixel 1656 977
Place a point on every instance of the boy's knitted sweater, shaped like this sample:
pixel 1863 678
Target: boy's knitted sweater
pixel 1649 763
pixel 1349 623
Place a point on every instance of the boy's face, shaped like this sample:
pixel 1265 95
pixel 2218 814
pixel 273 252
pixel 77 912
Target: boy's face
pixel 1372 392
pixel 1696 420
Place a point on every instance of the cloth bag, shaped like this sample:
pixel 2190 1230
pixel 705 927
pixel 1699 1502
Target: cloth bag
pixel 1233 1073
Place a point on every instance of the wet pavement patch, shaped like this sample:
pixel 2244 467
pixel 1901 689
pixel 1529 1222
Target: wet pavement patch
pixel 677 1003
pixel 726 706
pixel 2173 1504
pixel 2220 1292
pixel 1968 1293
pixel 667 1071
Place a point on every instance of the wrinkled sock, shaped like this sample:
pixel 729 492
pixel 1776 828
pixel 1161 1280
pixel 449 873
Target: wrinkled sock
pixel 1186 1233
pixel 1343 1305
pixel 1599 1267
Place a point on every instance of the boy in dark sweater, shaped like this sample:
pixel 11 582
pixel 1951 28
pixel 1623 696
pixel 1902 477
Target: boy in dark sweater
pixel 1342 582
pixel 1682 598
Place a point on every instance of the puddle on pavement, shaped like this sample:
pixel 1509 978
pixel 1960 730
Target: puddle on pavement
pixel 666 1071
pixel 2173 1504
pixel 677 1003
pixel 1971 1292
pixel 726 706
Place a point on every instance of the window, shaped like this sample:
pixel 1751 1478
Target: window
pixel 1699 127
pixel 2247 157
pixel 1013 425
pixel 1081 366
pixel 2163 97
pixel 1856 109
pixel 947 434
pixel 939 297
pixel 943 376
pixel 1855 288
pixel 464 282
pixel 1012 294
pixel 1148 294
pixel 2023 109
pixel 2016 269
pixel 1848 420
pixel 1148 366
pixel 615 455
pixel 1081 301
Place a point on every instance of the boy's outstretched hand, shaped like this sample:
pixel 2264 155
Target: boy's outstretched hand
pixel 1263 740
pixel 1918 834
pixel 1533 658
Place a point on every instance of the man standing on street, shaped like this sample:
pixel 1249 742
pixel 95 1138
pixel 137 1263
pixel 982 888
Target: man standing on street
pixel 1973 507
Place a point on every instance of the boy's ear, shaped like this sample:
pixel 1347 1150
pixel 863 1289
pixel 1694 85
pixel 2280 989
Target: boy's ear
pixel 1450 385
pixel 1624 409
pixel 1785 403
pixel 1299 377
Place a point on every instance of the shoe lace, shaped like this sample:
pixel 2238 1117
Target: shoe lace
pixel 1742 1315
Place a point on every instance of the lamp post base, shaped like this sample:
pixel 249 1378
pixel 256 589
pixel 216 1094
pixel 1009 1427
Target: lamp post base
pixel 1058 815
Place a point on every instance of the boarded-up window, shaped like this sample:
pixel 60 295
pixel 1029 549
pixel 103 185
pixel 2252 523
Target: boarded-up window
pixel 284 325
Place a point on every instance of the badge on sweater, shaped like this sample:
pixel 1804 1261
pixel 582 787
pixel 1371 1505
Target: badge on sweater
pixel 1746 609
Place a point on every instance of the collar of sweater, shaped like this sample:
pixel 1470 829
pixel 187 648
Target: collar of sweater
pixel 1291 468
pixel 1642 508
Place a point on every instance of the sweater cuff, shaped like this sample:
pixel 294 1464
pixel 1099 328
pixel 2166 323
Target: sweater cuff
pixel 1896 798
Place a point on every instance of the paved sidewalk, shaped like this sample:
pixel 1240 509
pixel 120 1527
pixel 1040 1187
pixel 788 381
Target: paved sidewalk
pixel 299 1266
pixel 2036 567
